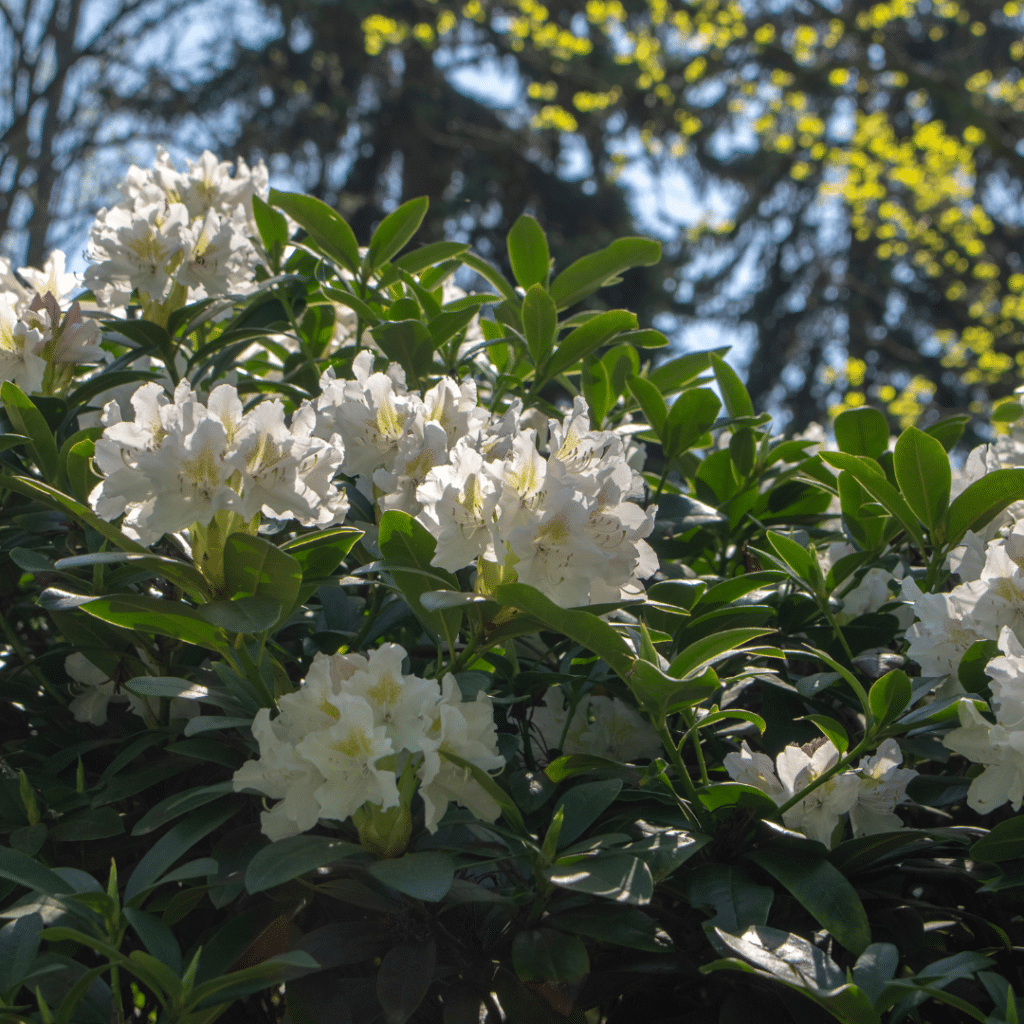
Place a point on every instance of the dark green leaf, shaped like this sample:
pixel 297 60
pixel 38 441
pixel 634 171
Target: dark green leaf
pixel 737 900
pixel 582 805
pixel 408 343
pixel 588 337
pixel 889 697
pixel 615 924
pixel 23 870
pixel 651 402
pixel 424 876
pixel 404 978
pixel 690 417
pixel 1004 842
pixel 543 954
pixel 95 823
pixel 151 615
pixel 156 937
pixel 286 859
pixel 430 255
pixel 19 943
pixel 617 877
pixel 832 730
pixel 28 420
pixel 971 670
pixel 178 804
pixel 822 891
pixel 254 567
pixel 249 615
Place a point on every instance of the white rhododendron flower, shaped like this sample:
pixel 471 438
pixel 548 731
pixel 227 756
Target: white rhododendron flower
pixel 43 335
pixel 869 793
pixel 945 630
pixel 602 726
pixel 188 230
pixel 94 690
pixel 181 462
pixel 998 746
pixel 338 741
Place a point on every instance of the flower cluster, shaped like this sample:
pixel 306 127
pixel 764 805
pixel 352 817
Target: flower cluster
pixel 354 727
pixel 601 726
pixel 868 793
pixel 186 233
pixel 181 462
pixel 564 522
pixel 43 335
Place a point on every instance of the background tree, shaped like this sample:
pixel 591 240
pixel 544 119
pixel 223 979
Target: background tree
pixel 857 164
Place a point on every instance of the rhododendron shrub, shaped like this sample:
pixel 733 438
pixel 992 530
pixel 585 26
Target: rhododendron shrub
pixel 389 639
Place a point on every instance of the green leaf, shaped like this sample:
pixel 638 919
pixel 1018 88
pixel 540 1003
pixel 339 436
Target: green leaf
pixel 736 794
pixel 491 274
pixel 325 226
pixel 319 554
pixel 617 877
pixel 254 567
pixel 690 417
pixel 150 615
pixel 582 805
pixel 589 273
pixel 405 542
pixel 948 431
pixel 832 730
pixel 528 252
pixel 889 697
pixel 545 955
pixel 24 870
pixel 736 397
pixel 584 627
pixel 737 900
pixel 425 876
pixel 19 943
pixel 12 441
pixel 174 844
pixel 615 924
pixel 157 938
pixel 983 500
pixel 273 229
pixel 408 343
pixel 540 324
pixel 651 402
pixel 670 377
pixel 588 337
pixel 971 670
pixel 178 804
pixel 248 615
pixel 395 231
pixel 54 499
pixel 430 255
pixel 1004 842
pixel 923 473
pixel 289 858
pixel 863 431
pixel 28 420
pixel 822 891
pixel 870 476
pixel 94 823
pixel 181 574
pixel 710 649
pixel 802 561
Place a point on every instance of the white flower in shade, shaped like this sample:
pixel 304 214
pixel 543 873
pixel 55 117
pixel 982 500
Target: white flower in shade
pixel 883 784
pixel 1007 674
pixel 602 726
pixel 95 690
pixel 353 723
pixel 755 769
pixel 818 813
pixel 460 501
pixel 19 361
pixel 465 729
pixel 1000 748
pixel 945 630
pixel 870 594
pixel 999 592
pixel 283 775
pixel 346 755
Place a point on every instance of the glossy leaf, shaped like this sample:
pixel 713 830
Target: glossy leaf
pixel 29 421
pixel 325 226
pixel 737 399
pixel 424 876
pixel 738 901
pixel 822 891
pixel 617 877
pixel 980 502
pixel 528 253
pixel 540 324
pixel 396 231
pixel 863 431
pixel 922 471
pixel 1004 842
pixel 289 858
pixel 589 273
pixel 587 338
pixel 889 697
